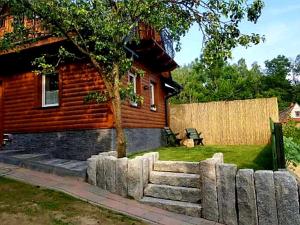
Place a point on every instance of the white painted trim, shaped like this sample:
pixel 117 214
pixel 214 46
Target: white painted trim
pixel 44 105
pixel 134 81
pixel 152 96
pixel 131 75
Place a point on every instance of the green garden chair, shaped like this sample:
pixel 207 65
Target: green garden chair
pixel 171 137
pixel 192 133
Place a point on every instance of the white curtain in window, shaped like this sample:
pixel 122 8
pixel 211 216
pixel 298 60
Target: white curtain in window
pixel 51 97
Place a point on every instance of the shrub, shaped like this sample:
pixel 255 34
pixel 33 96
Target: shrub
pixel 292 150
pixel 291 131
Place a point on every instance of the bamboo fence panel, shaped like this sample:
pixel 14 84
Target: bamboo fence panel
pixel 241 122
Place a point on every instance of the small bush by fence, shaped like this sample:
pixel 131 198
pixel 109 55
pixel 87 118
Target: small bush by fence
pixel 227 123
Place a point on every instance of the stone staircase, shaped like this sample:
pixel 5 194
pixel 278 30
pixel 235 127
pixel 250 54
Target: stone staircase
pixel 174 186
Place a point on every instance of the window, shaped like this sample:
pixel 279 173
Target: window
pixel 50 90
pixel 132 81
pixel 152 97
pixel 297 113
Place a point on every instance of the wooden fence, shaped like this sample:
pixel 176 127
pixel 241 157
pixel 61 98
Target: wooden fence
pixel 227 123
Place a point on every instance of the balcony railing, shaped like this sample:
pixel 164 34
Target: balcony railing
pixel 163 38
pixel 167 43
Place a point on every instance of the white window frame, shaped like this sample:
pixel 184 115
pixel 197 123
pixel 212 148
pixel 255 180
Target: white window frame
pixel 297 112
pixel 133 76
pixel 44 105
pixel 152 96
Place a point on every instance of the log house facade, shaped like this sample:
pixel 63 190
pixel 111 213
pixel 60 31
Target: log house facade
pixel 48 114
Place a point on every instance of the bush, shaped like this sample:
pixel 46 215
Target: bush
pixel 291 131
pixel 292 150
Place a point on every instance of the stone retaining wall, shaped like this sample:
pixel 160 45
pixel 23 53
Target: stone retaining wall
pixel 125 177
pixel 245 197
pixel 229 196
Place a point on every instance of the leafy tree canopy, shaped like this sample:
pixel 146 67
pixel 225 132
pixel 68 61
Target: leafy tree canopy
pixel 223 81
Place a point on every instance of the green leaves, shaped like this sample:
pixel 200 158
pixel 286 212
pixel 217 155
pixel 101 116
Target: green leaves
pixel 255 10
pixel 127 94
pixel 96 97
pixel 42 66
pixel 222 81
pixel 292 150
pixel 103 28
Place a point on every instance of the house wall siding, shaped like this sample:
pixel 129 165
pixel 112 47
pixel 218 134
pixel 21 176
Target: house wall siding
pixel 22 111
pixel 76 130
pixel 142 116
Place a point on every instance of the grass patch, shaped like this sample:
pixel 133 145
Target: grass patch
pixel 31 205
pixel 244 156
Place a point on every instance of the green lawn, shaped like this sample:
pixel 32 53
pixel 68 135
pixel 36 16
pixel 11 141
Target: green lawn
pixel 23 204
pixel 244 156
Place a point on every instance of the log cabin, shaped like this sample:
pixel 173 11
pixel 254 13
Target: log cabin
pixel 48 114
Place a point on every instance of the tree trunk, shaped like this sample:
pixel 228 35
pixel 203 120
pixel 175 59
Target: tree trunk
pixel 114 94
pixel 116 106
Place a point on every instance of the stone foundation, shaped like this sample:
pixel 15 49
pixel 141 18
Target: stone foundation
pixel 80 145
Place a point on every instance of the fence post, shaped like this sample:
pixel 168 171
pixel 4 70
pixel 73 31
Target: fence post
pixel 277 146
pixel 273 145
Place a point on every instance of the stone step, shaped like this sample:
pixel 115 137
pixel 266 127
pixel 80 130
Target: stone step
pixel 42 162
pixel 175 179
pixel 18 157
pixel 177 167
pixel 60 170
pixel 32 156
pixel 186 208
pixel 183 194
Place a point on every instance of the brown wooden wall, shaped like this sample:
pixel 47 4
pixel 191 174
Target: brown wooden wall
pixel 22 111
pixel 142 116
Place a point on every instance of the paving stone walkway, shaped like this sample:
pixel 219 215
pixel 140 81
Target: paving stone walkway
pixel 97 196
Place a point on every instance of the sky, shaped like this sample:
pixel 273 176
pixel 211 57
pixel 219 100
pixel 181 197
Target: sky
pixel 280 23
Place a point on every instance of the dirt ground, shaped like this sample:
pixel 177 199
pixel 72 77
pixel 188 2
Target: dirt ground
pixel 295 170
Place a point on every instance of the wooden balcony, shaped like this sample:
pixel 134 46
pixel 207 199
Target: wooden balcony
pixel 34 27
pixel 155 49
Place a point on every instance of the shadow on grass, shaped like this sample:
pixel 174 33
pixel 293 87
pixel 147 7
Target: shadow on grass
pixel 264 159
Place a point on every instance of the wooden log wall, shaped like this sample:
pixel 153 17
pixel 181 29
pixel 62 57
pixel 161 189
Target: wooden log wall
pixel 243 122
pixel 142 116
pixel 23 112
pixel 22 108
